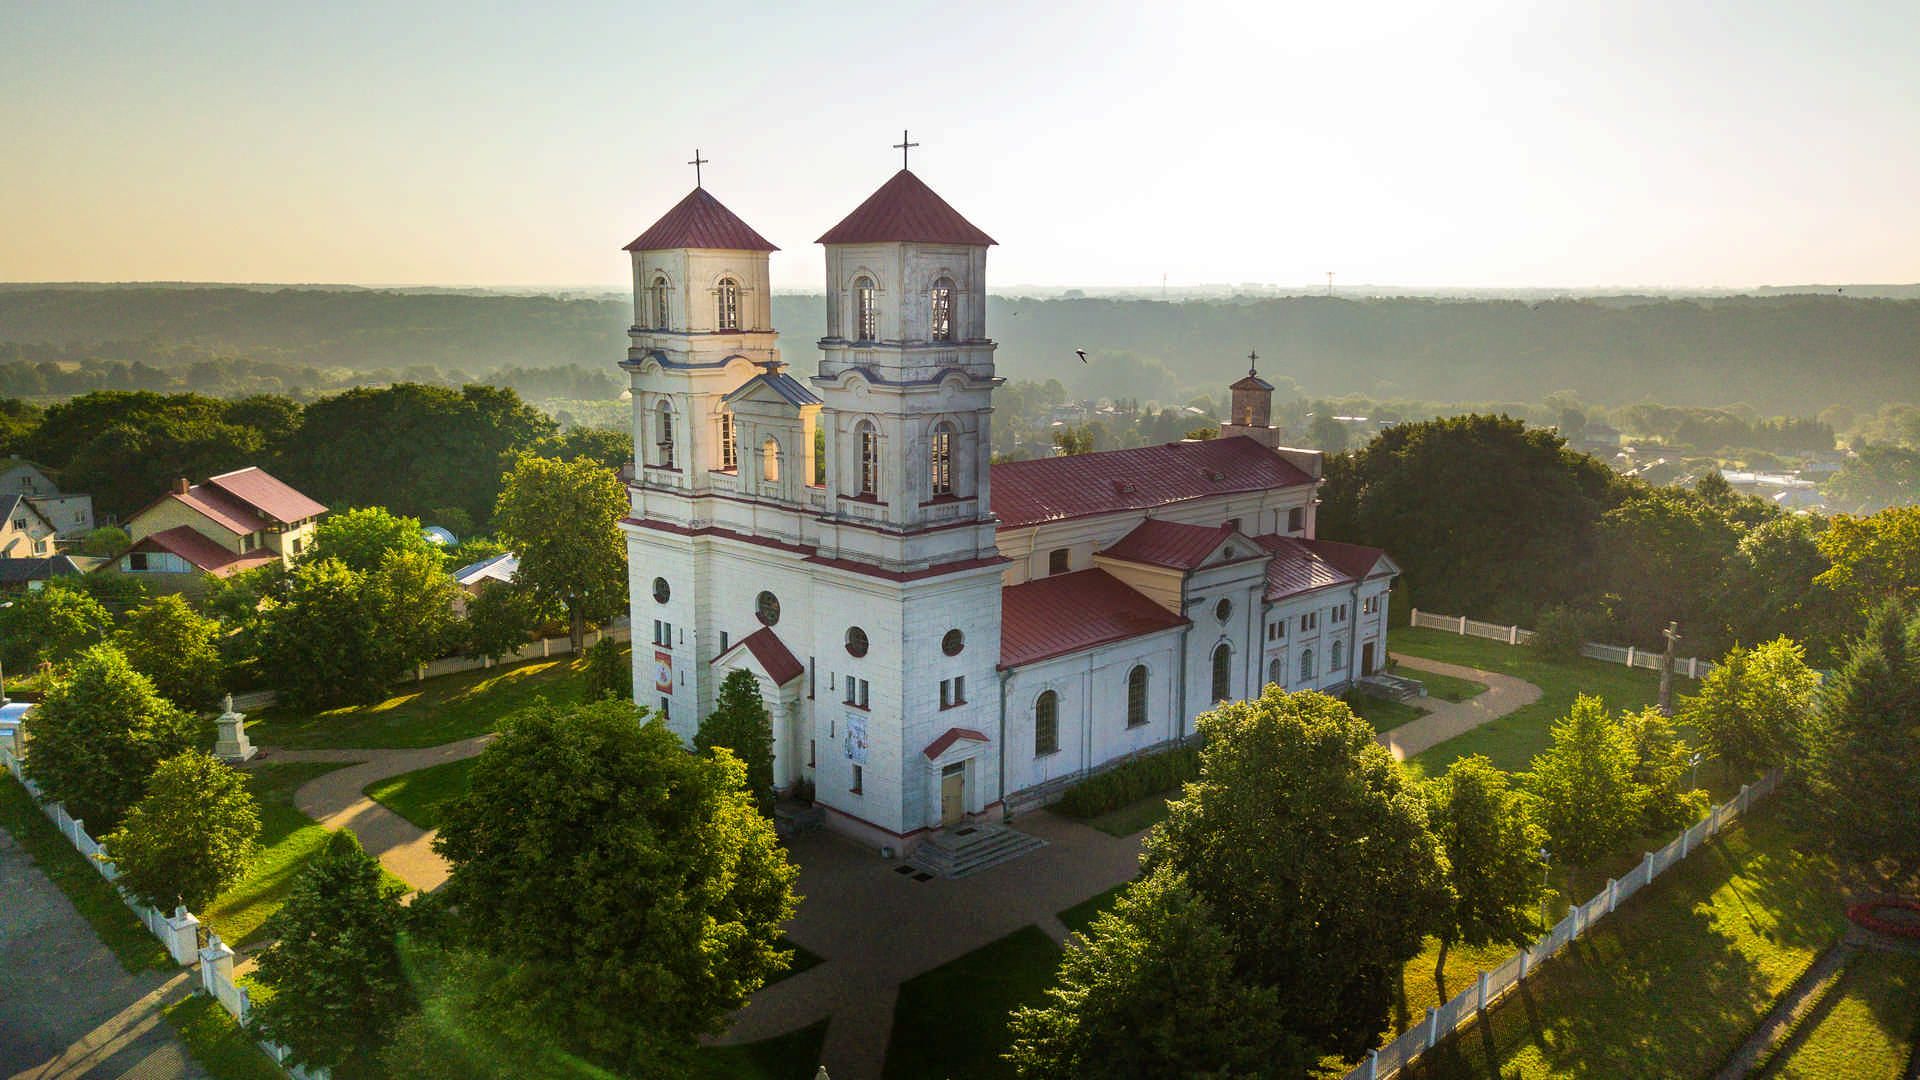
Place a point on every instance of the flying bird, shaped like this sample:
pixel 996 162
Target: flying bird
pixel 1082 354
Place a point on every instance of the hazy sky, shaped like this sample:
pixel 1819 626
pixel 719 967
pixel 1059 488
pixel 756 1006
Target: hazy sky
pixel 1463 144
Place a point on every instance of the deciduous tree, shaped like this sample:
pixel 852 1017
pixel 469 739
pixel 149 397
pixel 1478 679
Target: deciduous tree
pixel 364 536
pixel 175 646
pixel 98 734
pixel 194 833
pixel 1875 559
pixel 1588 800
pixel 561 517
pixel 1492 845
pixel 1753 707
pixel 1662 768
pixel 51 625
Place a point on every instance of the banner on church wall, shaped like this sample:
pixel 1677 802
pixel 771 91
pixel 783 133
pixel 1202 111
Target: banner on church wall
pixel 857 738
pixel 663 672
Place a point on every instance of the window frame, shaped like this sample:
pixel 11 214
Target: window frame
pixel 1059 561
pixel 940 460
pixel 1046 723
pixel 866 309
pixel 940 310
pixel 726 313
pixel 1138 678
pixel 1222 672
pixel 657 293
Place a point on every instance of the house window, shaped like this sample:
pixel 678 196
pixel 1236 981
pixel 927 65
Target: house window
pixel 666 708
pixel 1277 630
pixel 1137 696
pixel 770 459
pixel 137 561
pixel 1223 609
pixel 658 292
pixel 729 443
pixel 1046 724
pixel 856 642
pixel 1340 613
pixel 724 640
pixel 953 641
pixel 1057 561
pixel 728 304
pixel 663 633
pixel 869 457
pixel 1306 664
pixel 1338 648
pixel 857 779
pixel 1276 672
pixel 1309 621
pixel 1222 672
pixel 942 310
pixel 1296 519
pixel 866 314
pixel 661 591
pixel 856 692
pixel 1370 606
pixel 663 433
pixel 940 461
pixel 766 608
pixel 953 691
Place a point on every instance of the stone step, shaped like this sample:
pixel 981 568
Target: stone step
pixel 950 854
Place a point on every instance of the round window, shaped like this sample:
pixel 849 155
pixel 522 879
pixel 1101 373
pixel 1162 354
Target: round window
pixel 953 642
pixel 1223 609
pixel 767 608
pixel 856 641
pixel 660 590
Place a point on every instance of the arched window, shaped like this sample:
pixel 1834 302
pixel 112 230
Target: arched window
pixel 866 312
pixel 1222 672
pixel 663 433
pixel 1137 696
pixel 1046 724
pixel 1339 650
pixel 869 457
pixel 770 459
pixel 1306 664
pixel 942 310
pixel 727 304
pixel 940 460
pixel 1277 673
pixel 729 443
pixel 657 292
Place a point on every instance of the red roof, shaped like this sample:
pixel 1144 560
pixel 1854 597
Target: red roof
pixel 267 494
pixel 202 551
pixel 1305 565
pixel 905 210
pixel 1052 489
pixel 699 221
pixel 772 653
pixel 948 738
pixel 224 510
pixel 1354 560
pixel 1169 543
pixel 1053 616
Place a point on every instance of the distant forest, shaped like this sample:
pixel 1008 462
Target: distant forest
pixel 1781 355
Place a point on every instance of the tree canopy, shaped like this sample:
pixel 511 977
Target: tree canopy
pixel 1753 708
pixel 1589 801
pixel 561 517
pixel 740 722
pixel 98 734
pixel 1492 845
pixel 194 833
pixel 51 625
pixel 1865 762
pixel 175 646
pixel 363 536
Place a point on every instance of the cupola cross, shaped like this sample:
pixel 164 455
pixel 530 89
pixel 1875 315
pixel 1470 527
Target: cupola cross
pixel 903 146
pixel 1252 359
pixel 696 163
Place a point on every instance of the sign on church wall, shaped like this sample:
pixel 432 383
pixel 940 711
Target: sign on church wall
pixel 663 672
pixel 857 738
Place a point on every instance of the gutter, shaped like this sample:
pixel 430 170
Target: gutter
pixel 1006 811
pixel 1180 669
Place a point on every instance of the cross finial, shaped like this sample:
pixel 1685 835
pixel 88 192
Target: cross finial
pixel 696 163
pixel 1253 358
pixel 903 146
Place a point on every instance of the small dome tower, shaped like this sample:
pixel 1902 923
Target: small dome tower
pixel 1252 413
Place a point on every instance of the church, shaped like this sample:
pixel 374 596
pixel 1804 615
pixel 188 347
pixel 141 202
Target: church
pixel 941 639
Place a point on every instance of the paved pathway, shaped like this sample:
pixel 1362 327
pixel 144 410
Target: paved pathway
pixel 1447 719
pixel 67 1008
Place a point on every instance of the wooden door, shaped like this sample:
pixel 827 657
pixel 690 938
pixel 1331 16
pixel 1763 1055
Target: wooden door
pixel 1366 658
pixel 953 794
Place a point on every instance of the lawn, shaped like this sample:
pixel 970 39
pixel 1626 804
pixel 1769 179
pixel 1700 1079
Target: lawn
pixel 793 1056
pixel 1513 740
pixel 421 796
pixel 1384 714
pixel 439 710
pixel 98 902
pixel 1081 915
pixel 217 1043
pixel 1671 983
pixel 1447 687
pixel 1133 817
pixel 1863 1029
pixel 952 1021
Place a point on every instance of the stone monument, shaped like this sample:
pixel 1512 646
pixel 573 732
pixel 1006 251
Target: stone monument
pixel 232 745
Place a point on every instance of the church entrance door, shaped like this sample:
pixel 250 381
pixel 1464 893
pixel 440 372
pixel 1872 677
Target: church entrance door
pixel 953 794
pixel 1366 658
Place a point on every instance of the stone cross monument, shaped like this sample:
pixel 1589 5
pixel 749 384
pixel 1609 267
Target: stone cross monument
pixel 232 745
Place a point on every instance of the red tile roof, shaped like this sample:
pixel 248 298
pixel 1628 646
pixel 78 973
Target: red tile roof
pixel 699 221
pixel 1053 616
pixel 1300 566
pixel 772 653
pixel 1354 560
pixel 905 210
pixel 948 738
pixel 267 494
pixel 201 551
pixel 1053 489
pixel 224 510
pixel 1169 543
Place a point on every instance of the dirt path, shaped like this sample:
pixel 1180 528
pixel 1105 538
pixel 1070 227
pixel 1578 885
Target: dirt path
pixel 1448 719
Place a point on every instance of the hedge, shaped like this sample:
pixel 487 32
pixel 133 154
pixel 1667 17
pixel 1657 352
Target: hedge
pixel 1131 781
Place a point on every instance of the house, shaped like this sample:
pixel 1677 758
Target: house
pixel 71 515
pixel 19 574
pixel 25 532
pixel 233 522
pixel 475 578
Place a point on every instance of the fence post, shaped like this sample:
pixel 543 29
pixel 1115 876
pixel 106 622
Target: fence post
pixel 1480 994
pixel 1741 805
pixel 216 966
pixel 1629 656
pixel 1513 634
pixel 1524 953
pixel 1433 1027
pixel 546 647
pixel 183 936
pixel 1373 1065
pixel 1693 667
pixel 1413 616
pixel 1613 894
pixel 1463 626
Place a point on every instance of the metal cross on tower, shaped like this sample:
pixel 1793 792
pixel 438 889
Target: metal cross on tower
pixel 903 146
pixel 1253 359
pixel 696 163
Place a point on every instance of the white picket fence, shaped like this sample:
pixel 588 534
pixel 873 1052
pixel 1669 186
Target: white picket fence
pixel 179 932
pixel 1490 985
pixel 1691 666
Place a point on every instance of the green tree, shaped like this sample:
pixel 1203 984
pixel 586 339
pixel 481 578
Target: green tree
pixel 462 1031
pixel 107 542
pixel 1327 433
pixel 561 516
pixel 319 638
pixel 1492 845
pixel 739 722
pixel 17 421
pixel 191 836
pixel 658 890
pixel 412 596
pixel 1661 554
pixel 51 625
pixel 1865 761
pixel 1874 559
pixel 1752 709
pixel 97 735
pixel 175 646
pixel 609 674
pixel 502 618
pixel 1152 992
pixel 1663 771
pixel 1877 476
pixel 1768 587
pixel 1266 838
pixel 1071 441
pixel 364 536
pixel 612 447
pixel 126 447
pixel 1588 801
pixel 334 966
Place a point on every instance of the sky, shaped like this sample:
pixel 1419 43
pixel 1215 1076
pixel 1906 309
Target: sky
pixel 1464 145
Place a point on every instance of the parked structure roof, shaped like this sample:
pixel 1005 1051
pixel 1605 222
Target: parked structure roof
pixel 267 494
pixel 905 210
pixel 1053 616
pixel 501 568
pixel 1053 489
pixel 700 221
pixel 202 551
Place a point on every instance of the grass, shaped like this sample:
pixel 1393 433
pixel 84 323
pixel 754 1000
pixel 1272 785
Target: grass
pixel 1135 816
pixel 793 1056
pixel 1447 687
pixel 1081 915
pixel 1863 1029
pixel 440 710
pixel 216 1042
pixel 952 1021
pixel 1383 713
pixel 1512 740
pixel 421 796
pixel 1671 983
pixel 99 903
pixel 288 838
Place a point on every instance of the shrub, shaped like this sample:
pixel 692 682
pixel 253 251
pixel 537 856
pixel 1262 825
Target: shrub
pixel 609 674
pixel 1130 781
pixel 1561 630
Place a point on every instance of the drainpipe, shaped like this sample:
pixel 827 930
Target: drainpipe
pixel 1353 620
pixel 1180 670
pixel 1006 811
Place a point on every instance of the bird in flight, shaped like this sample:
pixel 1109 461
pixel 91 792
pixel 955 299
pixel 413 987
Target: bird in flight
pixel 1082 354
